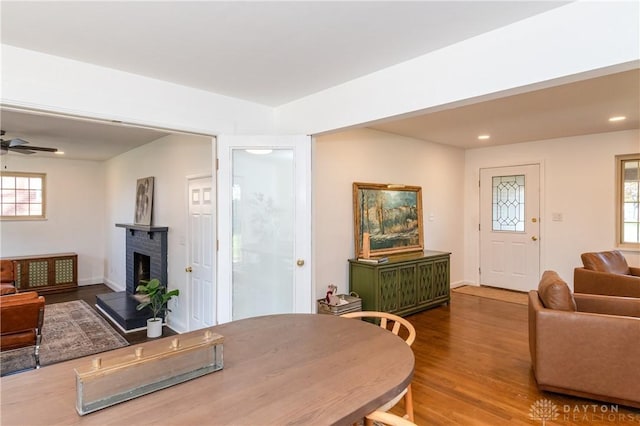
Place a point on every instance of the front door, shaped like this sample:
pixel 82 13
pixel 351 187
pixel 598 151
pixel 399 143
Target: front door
pixel 510 227
pixel 264 226
pixel 201 254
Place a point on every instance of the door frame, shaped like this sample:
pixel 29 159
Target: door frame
pixel 212 173
pixel 542 206
pixel 303 234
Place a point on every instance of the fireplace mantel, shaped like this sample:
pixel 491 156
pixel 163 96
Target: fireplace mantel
pixel 148 229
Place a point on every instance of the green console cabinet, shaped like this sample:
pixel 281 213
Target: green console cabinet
pixel 404 285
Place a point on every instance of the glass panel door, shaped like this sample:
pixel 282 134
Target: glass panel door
pixel 510 227
pixel 264 226
pixel 262 238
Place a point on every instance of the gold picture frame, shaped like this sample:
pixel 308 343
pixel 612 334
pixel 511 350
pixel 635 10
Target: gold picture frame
pixel 391 215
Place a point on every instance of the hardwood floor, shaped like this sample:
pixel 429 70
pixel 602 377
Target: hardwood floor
pixel 88 294
pixel 472 367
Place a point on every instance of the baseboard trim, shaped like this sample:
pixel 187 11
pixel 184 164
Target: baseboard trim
pixel 113 286
pixel 460 284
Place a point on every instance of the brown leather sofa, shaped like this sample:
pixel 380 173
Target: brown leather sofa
pixel 21 320
pixel 7 277
pixel 585 345
pixel 606 273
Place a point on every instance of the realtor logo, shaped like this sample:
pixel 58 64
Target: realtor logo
pixel 543 410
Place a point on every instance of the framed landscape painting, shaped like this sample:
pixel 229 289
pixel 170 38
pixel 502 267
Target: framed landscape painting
pixel 391 215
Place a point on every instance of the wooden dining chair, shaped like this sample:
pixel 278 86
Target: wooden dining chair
pixel 400 327
pixel 389 419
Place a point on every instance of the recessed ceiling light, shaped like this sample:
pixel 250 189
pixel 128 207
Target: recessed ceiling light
pixel 59 152
pixel 484 137
pixel 618 118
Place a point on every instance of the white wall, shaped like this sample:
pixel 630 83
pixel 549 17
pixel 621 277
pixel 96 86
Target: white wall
pixel 75 214
pixel 578 181
pixel 170 160
pixel 371 156
pixel 39 81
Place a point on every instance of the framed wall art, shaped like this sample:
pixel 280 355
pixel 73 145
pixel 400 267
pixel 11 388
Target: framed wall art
pixel 144 201
pixel 390 215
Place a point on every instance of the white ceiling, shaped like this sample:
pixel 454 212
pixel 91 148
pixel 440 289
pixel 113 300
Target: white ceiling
pixel 573 109
pixel 79 139
pixel 275 52
pixel 266 52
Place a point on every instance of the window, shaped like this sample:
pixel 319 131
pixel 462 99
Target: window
pixel 508 203
pixel 23 195
pixel 628 201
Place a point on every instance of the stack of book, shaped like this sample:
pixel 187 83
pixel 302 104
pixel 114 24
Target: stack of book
pixel 374 260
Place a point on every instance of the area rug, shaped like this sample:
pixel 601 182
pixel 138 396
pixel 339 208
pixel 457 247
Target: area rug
pixel 71 330
pixel 504 295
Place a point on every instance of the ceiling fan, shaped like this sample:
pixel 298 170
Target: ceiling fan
pixel 20 145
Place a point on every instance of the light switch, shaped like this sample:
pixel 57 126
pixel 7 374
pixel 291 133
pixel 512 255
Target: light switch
pixel 556 217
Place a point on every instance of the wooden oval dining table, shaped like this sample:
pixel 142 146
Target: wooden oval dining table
pixel 288 369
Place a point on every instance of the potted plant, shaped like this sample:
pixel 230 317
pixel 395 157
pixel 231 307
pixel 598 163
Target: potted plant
pixel 155 295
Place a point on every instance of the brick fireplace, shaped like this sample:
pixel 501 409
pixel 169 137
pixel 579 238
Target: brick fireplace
pixel 146 257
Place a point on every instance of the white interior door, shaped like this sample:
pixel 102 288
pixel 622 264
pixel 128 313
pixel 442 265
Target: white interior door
pixel 264 226
pixel 201 254
pixel 510 227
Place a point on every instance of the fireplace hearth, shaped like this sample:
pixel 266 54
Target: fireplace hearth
pixel 146 258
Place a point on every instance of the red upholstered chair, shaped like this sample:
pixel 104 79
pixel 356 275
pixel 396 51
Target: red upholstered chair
pixel 7 277
pixel 606 273
pixel 21 319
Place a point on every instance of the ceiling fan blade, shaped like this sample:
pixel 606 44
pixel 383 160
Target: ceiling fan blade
pixel 34 148
pixel 21 146
pixel 17 142
pixel 21 150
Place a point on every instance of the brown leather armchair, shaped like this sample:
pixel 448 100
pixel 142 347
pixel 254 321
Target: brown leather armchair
pixel 21 320
pixel 7 277
pixel 585 345
pixel 606 273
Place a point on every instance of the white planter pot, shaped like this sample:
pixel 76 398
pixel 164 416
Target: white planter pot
pixel 154 327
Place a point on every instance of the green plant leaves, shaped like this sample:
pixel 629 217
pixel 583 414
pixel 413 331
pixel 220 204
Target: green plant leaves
pixel 157 297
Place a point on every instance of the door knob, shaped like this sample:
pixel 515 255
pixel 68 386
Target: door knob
pixel 300 262
pixel 188 269
pixel 534 238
